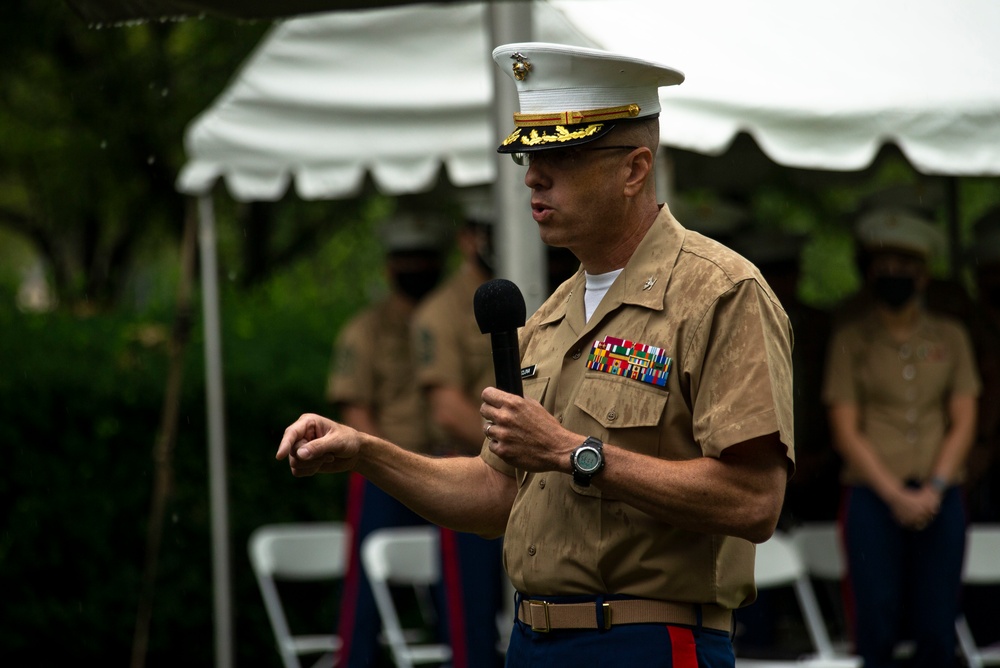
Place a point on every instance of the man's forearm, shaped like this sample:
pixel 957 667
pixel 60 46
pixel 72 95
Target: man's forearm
pixel 460 493
pixel 734 495
pixel 959 438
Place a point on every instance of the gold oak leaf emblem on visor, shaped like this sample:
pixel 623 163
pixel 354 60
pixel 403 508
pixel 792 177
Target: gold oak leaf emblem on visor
pixel 560 134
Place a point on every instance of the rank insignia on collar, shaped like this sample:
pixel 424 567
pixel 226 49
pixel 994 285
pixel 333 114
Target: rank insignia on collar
pixel 638 361
pixel 650 282
pixel 521 65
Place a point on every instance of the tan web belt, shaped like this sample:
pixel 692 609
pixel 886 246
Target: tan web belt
pixel 544 616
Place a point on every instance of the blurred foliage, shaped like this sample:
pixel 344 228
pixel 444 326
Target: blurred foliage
pixel 90 125
pixel 91 128
pixel 821 206
pixel 80 399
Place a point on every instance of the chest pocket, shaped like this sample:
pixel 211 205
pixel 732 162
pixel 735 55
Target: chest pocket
pixel 534 388
pixel 630 412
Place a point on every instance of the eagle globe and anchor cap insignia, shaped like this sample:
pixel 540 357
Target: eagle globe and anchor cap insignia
pixel 521 65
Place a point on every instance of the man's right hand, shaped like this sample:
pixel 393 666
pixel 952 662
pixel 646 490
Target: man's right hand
pixel 315 444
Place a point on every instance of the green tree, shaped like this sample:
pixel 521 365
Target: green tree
pixel 91 127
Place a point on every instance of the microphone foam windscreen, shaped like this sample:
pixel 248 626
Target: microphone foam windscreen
pixel 499 306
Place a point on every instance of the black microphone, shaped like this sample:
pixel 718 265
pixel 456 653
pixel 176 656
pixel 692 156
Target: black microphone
pixel 500 310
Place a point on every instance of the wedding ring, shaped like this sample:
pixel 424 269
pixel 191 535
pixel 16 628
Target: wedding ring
pixel 487 430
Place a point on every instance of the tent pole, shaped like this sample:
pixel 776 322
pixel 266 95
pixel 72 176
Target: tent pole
pixel 954 231
pixel 520 251
pixel 222 594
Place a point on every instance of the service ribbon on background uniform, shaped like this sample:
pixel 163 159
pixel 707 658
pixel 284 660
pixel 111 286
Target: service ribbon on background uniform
pixel 638 361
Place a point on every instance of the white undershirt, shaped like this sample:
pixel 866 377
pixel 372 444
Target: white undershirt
pixel 597 287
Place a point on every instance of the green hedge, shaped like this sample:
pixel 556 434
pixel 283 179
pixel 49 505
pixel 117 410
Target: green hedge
pixel 80 404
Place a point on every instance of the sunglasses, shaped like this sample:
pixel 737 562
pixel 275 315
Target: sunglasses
pixel 562 157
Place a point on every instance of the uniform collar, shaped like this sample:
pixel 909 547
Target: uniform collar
pixel 878 331
pixel 642 283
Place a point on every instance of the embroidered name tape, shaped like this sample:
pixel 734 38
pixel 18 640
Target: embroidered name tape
pixel 638 361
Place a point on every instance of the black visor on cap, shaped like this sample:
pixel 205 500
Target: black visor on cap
pixel 541 137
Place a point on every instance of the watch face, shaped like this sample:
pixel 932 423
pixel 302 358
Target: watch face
pixel 588 459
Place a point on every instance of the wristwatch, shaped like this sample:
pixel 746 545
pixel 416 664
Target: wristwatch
pixel 938 484
pixel 587 461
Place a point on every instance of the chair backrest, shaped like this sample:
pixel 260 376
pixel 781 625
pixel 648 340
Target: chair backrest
pixel 315 551
pixel 305 551
pixel 981 567
pixel 778 563
pixel 982 555
pixel 821 549
pixel 399 556
pixel 403 555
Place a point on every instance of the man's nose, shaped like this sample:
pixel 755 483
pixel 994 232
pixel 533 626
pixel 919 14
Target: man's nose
pixel 535 176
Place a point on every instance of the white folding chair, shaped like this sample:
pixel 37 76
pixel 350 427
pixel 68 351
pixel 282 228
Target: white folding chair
pixel 982 567
pixel 303 552
pixel 819 545
pixel 778 563
pixel 402 556
pixel 823 555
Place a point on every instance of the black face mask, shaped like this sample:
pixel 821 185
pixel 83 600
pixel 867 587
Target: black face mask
pixel 894 291
pixel 416 284
pixel 485 254
pixel 485 261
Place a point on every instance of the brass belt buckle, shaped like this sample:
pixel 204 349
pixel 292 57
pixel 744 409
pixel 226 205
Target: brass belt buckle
pixel 544 605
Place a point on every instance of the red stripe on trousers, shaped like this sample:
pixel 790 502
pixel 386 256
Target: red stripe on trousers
pixel 452 575
pixel 683 651
pixel 349 597
pixel 846 590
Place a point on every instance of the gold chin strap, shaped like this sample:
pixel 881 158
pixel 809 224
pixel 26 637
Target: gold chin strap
pixel 576 117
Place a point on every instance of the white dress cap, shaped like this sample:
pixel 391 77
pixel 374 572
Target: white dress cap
pixel 571 95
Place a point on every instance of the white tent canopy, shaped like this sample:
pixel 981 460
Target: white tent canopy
pixel 823 85
pixel 398 92
pixel 395 93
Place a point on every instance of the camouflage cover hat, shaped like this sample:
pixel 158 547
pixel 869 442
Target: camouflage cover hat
pixel 896 228
pixel 409 231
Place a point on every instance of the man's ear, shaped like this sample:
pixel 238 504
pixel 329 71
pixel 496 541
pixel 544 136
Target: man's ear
pixel 641 169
